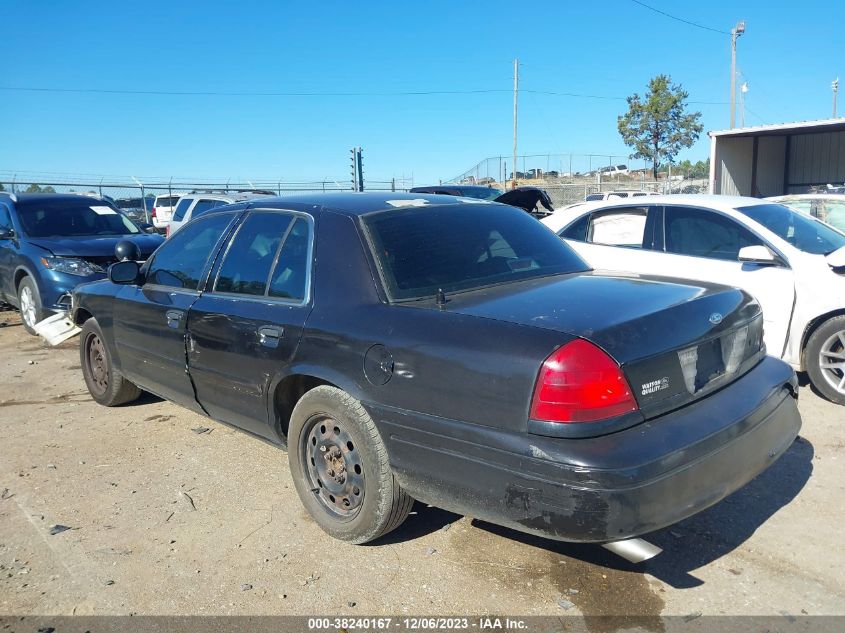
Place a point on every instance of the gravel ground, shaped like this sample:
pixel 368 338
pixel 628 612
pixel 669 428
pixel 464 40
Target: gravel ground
pixel 167 518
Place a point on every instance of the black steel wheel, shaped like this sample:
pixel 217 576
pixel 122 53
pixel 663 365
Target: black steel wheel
pixel 98 364
pixel 333 466
pixel 105 384
pixel 340 467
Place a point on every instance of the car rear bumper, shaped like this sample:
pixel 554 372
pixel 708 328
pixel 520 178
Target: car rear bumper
pixel 605 488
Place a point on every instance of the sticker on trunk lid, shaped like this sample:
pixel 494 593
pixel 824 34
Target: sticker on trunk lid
pixel 655 385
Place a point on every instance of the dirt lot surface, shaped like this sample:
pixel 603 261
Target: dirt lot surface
pixel 168 518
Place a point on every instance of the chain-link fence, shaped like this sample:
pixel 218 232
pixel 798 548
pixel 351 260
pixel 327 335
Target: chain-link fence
pixel 564 194
pixel 563 168
pixel 137 197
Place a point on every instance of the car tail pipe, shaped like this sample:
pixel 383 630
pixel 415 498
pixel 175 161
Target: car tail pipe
pixel 634 550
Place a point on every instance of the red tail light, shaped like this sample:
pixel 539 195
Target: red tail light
pixel 154 212
pixel 167 231
pixel 580 383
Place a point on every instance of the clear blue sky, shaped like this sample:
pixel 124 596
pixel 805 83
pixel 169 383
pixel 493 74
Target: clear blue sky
pixel 789 55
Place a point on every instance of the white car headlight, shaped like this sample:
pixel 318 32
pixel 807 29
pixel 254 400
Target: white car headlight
pixel 71 266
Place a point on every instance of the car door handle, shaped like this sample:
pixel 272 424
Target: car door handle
pixel 174 317
pixel 269 336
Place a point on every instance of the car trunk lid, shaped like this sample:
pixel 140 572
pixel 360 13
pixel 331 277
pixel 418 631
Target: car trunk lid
pixel 676 340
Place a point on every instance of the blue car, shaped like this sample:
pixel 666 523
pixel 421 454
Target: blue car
pixel 50 243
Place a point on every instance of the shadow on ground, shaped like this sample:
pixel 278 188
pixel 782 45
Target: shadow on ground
pixel 688 545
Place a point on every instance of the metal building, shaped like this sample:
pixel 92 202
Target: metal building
pixel 771 160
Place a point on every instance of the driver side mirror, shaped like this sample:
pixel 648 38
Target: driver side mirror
pixel 147 228
pixel 6 233
pixel 126 272
pixel 758 254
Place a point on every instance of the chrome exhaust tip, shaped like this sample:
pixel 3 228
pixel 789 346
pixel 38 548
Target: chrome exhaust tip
pixel 634 550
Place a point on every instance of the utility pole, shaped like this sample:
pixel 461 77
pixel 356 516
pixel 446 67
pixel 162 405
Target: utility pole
pixel 738 30
pixel 835 87
pixel 515 95
pixel 357 168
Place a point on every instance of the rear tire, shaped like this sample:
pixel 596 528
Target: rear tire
pixel 105 384
pixel 29 302
pixel 340 468
pixel 824 358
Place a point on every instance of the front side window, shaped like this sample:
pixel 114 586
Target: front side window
pixel 832 212
pixel 182 208
pixel 804 206
pixel 620 227
pixel 5 218
pixel 249 259
pixel 181 261
pixel 76 216
pixel 421 250
pixel 803 232
pixel 703 233
pixel 577 230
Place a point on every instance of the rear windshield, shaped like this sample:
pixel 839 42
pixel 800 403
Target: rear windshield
pixel 462 247
pixel 72 217
pixel 802 231
pixel 166 201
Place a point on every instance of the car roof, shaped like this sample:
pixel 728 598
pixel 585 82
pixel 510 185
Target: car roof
pixel 808 196
pixel 36 197
pixel 450 185
pixel 356 204
pixel 240 196
pixel 709 200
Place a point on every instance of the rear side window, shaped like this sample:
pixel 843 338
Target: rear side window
pixel 621 227
pixel 180 262
pixel 457 247
pixel 249 260
pixel 204 205
pixel 701 233
pixel 291 271
pixel 182 208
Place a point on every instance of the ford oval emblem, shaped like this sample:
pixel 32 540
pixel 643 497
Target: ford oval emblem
pixel 715 318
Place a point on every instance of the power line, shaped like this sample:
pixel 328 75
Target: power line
pixel 674 17
pixel 245 94
pixel 193 93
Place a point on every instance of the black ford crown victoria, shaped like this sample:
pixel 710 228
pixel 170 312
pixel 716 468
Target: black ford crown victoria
pixel 406 346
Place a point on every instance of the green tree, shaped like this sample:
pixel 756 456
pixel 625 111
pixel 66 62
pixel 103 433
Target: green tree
pixel 34 188
pixel 658 126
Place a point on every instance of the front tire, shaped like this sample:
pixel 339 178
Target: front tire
pixel 340 468
pixel 105 384
pixel 29 301
pixel 825 359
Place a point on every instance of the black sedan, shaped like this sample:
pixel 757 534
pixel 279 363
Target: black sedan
pixel 457 353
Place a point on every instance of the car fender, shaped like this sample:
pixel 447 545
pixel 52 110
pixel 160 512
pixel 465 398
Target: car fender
pixel 28 270
pixel 820 295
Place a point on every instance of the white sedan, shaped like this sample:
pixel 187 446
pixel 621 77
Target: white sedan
pixel 793 264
